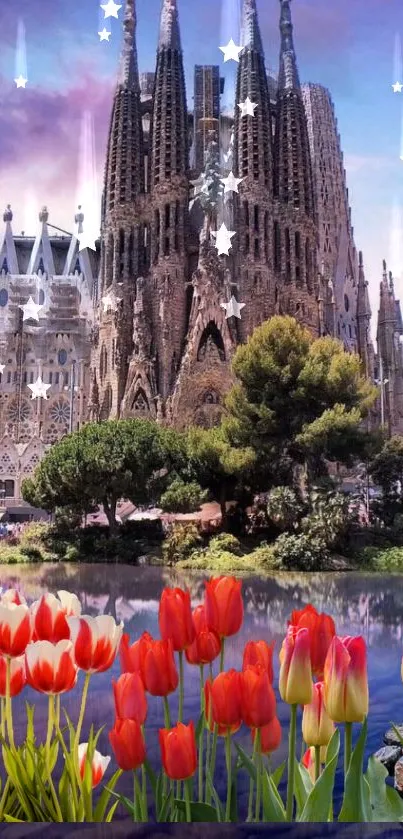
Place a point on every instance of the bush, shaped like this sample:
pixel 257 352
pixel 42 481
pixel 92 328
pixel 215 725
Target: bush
pixel 284 507
pixel 11 556
pixel 264 557
pixel 225 542
pixel 382 559
pixel 300 552
pixel 180 541
pixel 32 553
pixel 182 497
pixel 329 520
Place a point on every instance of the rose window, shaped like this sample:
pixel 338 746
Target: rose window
pixel 60 411
pixel 19 412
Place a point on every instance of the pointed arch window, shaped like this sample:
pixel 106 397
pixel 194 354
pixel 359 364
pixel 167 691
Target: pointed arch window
pixel 277 246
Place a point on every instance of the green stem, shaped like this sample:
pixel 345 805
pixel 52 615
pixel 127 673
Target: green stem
pixel 229 775
pixel 6 792
pixel 73 780
pixel 213 757
pixel 348 736
pixel 139 805
pixel 187 799
pixel 201 738
pixel 80 724
pixel 144 802
pixel 47 757
pixel 317 762
pixel 259 769
pixel 292 741
pixel 135 811
pixel 167 721
pixel 3 718
pixel 181 686
pixel 251 784
pixel 9 710
pixel 222 654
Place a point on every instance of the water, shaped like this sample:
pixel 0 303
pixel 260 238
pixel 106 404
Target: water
pixel 370 605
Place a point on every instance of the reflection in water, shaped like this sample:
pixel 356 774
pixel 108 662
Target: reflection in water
pixel 371 605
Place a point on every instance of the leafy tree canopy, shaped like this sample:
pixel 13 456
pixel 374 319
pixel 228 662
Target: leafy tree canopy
pixel 387 467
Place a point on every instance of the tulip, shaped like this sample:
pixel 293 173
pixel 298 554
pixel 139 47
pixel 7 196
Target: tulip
pixel 206 645
pixel 178 751
pixel 312 759
pixel 132 657
pixel 95 641
pixel 295 685
pixel 295 681
pixel 270 736
pixel 17 675
pixel 346 680
pixel 223 702
pixel 321 632
pixel 12 595
pixel 50 667
pixel 160 673
pixel 259 652
pixel 258 702
pixel 15 629
pixel 130 699
pixel 127 741
pixel 175 618
pixel 99 764
pixel 317 727
pixel 224 605
pixel 49 616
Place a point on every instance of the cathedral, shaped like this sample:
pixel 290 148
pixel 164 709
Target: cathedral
pixel 141 327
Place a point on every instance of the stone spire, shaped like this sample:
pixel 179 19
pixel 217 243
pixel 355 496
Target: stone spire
pixel 169 35
pixel 128 76
pixel 253 162
pixel 288 76
pixel 364 320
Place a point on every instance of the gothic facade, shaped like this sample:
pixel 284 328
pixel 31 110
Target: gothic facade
pixel 138 327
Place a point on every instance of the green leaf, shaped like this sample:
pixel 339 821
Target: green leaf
pixel 246 761
pixel 386 804
pixel 111 812
pixel 200 727
pixel 320 798
pixel 302 787
pixel 11 819
pixel 278 773
pixel 273 807
pixel 104 798
pixel 213 792
pixel 199 812
pixel 234 795
pixel 152 777
pixel 127 804
pixel 166 807
pixel 356 805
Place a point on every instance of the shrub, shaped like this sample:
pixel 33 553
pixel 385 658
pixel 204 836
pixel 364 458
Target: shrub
pixel 225 542
pixel 180 541
pixel 382 559
pixel 329 520
pixel 72 554
pixel 32 553
pixel 284 507
pixel 182 497
pixel 300 552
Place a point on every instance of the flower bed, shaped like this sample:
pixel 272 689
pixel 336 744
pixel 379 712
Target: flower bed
pixel 45 645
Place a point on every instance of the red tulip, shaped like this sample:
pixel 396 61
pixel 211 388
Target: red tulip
pixel 259 652
pixel 270 736
pixel 295 681
pixel 258 702
pixel 160 674
pixel 346 680
pixel 132 657
pixel 15 629
pixel 99 764
pixel 127 741
pixel 178 751
pixel 317 727
pixel 130 699
pixel 206 645
pixel 321 632
pixel 224 605
pixel 49 616
pixel 96 641
pixel 175 618
pixel 50 667
pixel 18 675
pixel 223 702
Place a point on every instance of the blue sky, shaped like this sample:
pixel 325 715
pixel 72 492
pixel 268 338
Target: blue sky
pixel 347 45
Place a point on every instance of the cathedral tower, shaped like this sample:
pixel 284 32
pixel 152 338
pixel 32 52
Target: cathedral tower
pixel 169 197
pixel 364 321
pixel 253 161
pixel 123 233
pixel 295 232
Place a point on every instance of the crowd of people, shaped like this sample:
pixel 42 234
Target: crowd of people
pixel 11 528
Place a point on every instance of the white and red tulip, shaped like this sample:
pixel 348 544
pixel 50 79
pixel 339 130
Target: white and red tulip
pixel 50 667
pixel 15 629
pixel 49 616
pixel 96 641
pixel 100 764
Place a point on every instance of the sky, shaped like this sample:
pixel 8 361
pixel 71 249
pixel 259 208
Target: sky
pixel 353 47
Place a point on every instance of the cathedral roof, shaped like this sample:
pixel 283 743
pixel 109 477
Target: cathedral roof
pixel 169 35
pixel 128 75
pixel 250 32
pixel 288 74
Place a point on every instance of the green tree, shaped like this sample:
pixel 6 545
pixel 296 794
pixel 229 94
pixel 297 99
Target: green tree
pixel 386 469
pixel 217 465
pixel 182 497
pixel 298 400
pixel 103 462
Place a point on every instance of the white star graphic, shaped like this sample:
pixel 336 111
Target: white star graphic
pixel 104 35
pixel 86 240
pixel 223 238
pixel 233 308
pixel 397 87
pixel 30 310
pixel 2 366
pixel 110 8
pixel 230 183
pixel 39 389
pixel 231 51
pixel 247 107
pixel 21 82
pixel 110 302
